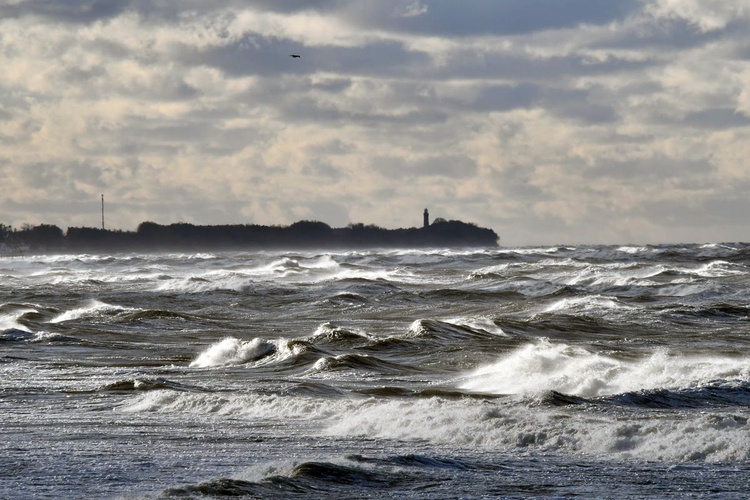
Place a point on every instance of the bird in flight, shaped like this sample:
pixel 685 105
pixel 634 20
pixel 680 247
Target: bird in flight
pixel 295 55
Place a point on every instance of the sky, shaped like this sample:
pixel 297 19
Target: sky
pixel 549 121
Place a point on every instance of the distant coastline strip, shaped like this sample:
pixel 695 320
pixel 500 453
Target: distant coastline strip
pixel 303 234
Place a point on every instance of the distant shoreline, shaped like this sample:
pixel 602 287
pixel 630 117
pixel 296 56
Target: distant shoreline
pixel 151 236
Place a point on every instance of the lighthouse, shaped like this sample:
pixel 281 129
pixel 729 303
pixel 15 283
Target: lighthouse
pixel 426 218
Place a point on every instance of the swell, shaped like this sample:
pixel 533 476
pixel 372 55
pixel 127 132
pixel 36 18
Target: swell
pixel 146 384
pixel 425 345
pixel 714 396
pixel 352 476
pixel 362 363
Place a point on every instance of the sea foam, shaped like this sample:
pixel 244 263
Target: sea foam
pixel 233 351
pixel 542 367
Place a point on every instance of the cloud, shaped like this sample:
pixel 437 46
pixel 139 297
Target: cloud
pixel 72 11
pixel 548 120
pixel 414 9
pixel 454 166
pixel 720 118
pixel 487 17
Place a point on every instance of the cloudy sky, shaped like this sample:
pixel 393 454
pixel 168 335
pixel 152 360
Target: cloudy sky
pixel 550 121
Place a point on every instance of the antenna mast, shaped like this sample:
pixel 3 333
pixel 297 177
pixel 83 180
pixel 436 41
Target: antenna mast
pixel 102 212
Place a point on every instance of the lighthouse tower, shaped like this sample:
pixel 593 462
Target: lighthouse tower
pixel 426 218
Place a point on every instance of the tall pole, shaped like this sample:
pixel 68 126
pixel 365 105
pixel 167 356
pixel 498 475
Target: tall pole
pixel 102 212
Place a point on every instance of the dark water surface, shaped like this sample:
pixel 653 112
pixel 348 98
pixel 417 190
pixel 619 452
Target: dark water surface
pixel 518 372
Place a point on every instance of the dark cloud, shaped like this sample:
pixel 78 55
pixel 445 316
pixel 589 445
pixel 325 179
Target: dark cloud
pixel 72 11
pixel 257 55
pixel 672 34
pixel 506 97
pixel 517 67
pixel 331 148
pixel 680 173
pixel 515 182
pixel 702 214
pixel 321 169
pixel 716 119
pixel 491 17
pixel 580 105
pixel 63 178
pixel 451 166
pixel 291 6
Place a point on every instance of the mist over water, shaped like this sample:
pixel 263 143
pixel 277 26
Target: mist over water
pixel 524 372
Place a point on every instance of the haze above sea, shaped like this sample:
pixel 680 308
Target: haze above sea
pixel 593 371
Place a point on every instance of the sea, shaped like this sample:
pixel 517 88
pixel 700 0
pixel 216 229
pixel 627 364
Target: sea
pixel 529 372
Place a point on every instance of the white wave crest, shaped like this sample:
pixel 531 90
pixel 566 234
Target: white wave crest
pixel 585 304
pixel 233 351
pixel 710 436
pixel 704 437
pixel 543 367
pixel 479 323
pixel 9 321
pixel 92 308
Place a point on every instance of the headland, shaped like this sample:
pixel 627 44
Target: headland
pixel 305 234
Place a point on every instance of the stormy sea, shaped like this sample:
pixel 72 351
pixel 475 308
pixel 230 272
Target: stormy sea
pixel 589 371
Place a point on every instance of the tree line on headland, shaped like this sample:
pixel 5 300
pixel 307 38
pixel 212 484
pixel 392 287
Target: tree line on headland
pixel 151 236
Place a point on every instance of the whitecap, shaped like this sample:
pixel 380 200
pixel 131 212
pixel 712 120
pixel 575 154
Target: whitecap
pixel 9 321
pixel 92 308
pixel 233 351
pixel 542 367
pixel 584 304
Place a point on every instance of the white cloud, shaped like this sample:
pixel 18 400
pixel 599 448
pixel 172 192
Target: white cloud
pixel 413 9
pixel 705 15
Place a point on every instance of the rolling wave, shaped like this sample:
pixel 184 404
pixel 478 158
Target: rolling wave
pixel 360 363
pixel 233 351
pixel 94 308
pixel 542 367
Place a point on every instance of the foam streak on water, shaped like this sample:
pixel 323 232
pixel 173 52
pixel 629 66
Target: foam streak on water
pixel 518 372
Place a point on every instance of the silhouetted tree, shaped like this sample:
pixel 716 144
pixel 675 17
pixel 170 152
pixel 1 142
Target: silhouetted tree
pixel 5 232
pixel 43 235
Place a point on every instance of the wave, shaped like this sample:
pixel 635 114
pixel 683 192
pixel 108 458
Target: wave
pixel 274 269
pixel 233 351
pixel 328 333
pixel 478 324
pixel 447 332
pixel 360 363
pixel 138 384
pixel 11 316
pixel 713 395
pixel 584 305
pixel 272 407
pixel 709 436
pixel 431 392
pixel 349 299
pixel 16 335
pixel 155 314
pixel 349 476
pixel 715 434
pixel 306 478
pixel 539 368
pixel 92 309
pixel 715 312
pixel 469 295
